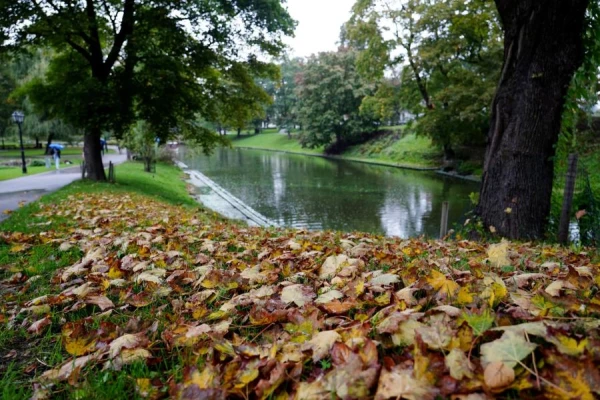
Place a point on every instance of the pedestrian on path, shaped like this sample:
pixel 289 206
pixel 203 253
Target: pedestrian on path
pixel 56 155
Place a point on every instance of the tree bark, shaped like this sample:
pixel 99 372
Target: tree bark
pixel 92 150
pixel 49 142
pixel 543 48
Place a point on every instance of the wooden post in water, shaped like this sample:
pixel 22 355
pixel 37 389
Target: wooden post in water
pixel 444 219
pixel 565 215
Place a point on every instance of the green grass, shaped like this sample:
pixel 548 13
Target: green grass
pixel 67 151
pixel 43 259
pixel 17 172
pixel 392 147
pixel 166 185
pixel 389 148
pixel 270 139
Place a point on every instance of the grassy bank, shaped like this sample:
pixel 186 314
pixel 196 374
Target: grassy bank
pixel 391 148
pixel 133 291
pixel 39 153
pixel 271 139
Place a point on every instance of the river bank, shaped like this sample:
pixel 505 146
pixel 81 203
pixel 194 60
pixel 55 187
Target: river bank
pixel 391 150
pixel 133 290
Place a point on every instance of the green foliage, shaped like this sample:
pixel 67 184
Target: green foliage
pixel 285 96
pixel 141 141
pixel 161 62
pixel 450 53
pixel 330 92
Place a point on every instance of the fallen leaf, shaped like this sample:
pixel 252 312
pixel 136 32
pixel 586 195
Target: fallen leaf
pixel 443 285
pixel 321 344
pixel 498 253
pixel 400 383
pixel 458 364
pixel 509 349
pixel 298 294
pixel 38 326
pixel 497 375
pixel 329 296
pixel 385 279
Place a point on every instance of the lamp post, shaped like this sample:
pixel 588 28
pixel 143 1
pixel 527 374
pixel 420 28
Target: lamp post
pixel 18 117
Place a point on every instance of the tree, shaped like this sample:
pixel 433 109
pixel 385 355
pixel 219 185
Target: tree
pixel 543 47
pixel 243 99
pixel 153 60
pixel 7 85
pixel 330 93
pixel 285 98
pixel 449 52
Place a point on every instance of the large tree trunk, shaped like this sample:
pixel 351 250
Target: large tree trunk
pixel 92 150
pixel 48 143
pixel 542 49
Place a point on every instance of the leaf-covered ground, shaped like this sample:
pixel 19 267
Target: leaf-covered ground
pixel 160 302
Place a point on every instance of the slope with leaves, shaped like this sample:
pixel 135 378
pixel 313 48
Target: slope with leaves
pixel 177 306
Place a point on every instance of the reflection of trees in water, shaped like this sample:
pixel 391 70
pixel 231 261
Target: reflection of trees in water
pixel 323 193
pixel 403 215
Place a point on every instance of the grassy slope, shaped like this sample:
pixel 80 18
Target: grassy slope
pixel 389 148
pixel 270 139
pixel 395 148
pixel 165 185
pixel 140 209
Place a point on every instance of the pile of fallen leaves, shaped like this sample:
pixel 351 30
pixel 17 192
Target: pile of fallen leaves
pixel 286 314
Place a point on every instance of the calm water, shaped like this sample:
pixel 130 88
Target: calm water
pixel 319 193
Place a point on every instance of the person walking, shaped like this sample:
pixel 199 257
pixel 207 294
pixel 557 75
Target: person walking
pixel 56 155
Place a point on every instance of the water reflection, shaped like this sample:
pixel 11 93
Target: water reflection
pixel 404 216
pixel 320 193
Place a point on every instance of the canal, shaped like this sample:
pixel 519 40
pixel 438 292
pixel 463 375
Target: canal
pixel 320 193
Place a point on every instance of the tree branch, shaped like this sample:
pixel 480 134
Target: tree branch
pixel 110 17
pixel 79 49
pixel 127 23
pixel 94 44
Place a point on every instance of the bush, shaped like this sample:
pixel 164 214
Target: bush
pixel 164 154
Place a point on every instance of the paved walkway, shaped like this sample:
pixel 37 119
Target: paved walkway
pixel 26 189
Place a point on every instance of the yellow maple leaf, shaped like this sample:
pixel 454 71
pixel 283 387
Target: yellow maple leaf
pixel 442 284
pixel 570 386
pixel 359 288
pixel 114 273
pixel 384 299
pixel 464 296
pixel 568 345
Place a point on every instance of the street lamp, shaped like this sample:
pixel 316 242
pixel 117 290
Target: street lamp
pixel 18 117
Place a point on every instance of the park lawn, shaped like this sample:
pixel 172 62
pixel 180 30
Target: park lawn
pixel 17 172
pixel 132 290
pixel 67 151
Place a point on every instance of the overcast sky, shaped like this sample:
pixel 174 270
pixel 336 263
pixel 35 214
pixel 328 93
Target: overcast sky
pixel 319 23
